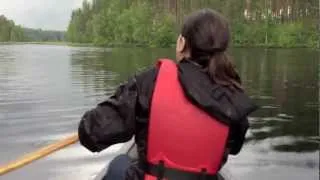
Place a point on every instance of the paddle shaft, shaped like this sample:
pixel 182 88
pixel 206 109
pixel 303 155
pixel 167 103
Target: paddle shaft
pixel 27 159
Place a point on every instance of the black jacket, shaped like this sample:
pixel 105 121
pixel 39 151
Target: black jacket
pixel 126 113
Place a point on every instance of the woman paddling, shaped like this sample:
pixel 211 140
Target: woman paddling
pixel 187 117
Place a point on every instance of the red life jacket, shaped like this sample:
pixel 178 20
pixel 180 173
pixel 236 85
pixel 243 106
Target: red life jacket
pixel 181 136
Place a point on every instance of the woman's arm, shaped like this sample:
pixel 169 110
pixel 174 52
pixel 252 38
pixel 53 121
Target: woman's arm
pixel 237 136
pixel 112 121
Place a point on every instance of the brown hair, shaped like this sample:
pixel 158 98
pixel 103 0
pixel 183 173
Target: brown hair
pixel 207 37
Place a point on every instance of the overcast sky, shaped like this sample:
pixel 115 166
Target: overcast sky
pixel 45 14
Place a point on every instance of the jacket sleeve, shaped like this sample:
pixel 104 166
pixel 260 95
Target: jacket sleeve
pixel 112 121
pixel 237 136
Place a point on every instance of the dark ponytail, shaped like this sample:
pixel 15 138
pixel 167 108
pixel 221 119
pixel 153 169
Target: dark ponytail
pixel 207 37
pixel 222 71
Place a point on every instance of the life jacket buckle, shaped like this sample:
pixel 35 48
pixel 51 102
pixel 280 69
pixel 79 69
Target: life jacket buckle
pixel 161 170
pixel 203 174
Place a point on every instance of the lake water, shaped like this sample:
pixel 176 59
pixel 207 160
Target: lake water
pixel 44 90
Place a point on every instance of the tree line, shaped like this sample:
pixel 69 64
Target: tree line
pixel 114 23
pixel 277 23
pixel 40 35
pixel 10 32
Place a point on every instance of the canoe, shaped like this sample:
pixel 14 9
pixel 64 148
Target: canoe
pixel 130 149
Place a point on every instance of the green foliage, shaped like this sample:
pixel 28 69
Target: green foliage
pixel 9 31
pixel 105 24
pixel 39 35
pixel 163 32
pixel 121 24
pixel 77 27
pixel 153 22
pixel 134 25
pixel 245 34
pixel 286 35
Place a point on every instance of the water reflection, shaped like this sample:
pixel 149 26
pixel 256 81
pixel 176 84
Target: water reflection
pixel 44 90
pixel 283 83
pixel 41 102
pixel 108 67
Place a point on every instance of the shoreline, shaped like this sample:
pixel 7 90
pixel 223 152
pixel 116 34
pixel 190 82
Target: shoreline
pixel 61 43
pixel 64 43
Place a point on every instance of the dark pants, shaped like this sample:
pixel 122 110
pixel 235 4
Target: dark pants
pixel 118 168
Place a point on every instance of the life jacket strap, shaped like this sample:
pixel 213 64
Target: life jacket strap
pixel 162 172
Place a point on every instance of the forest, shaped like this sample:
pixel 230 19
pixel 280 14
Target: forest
pixel 271 23
pixel 10 32
pixel 39 35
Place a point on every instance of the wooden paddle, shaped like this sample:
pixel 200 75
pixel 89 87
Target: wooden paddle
pixel 28 158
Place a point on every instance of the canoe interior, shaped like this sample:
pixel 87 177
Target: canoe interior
pixel 131 149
